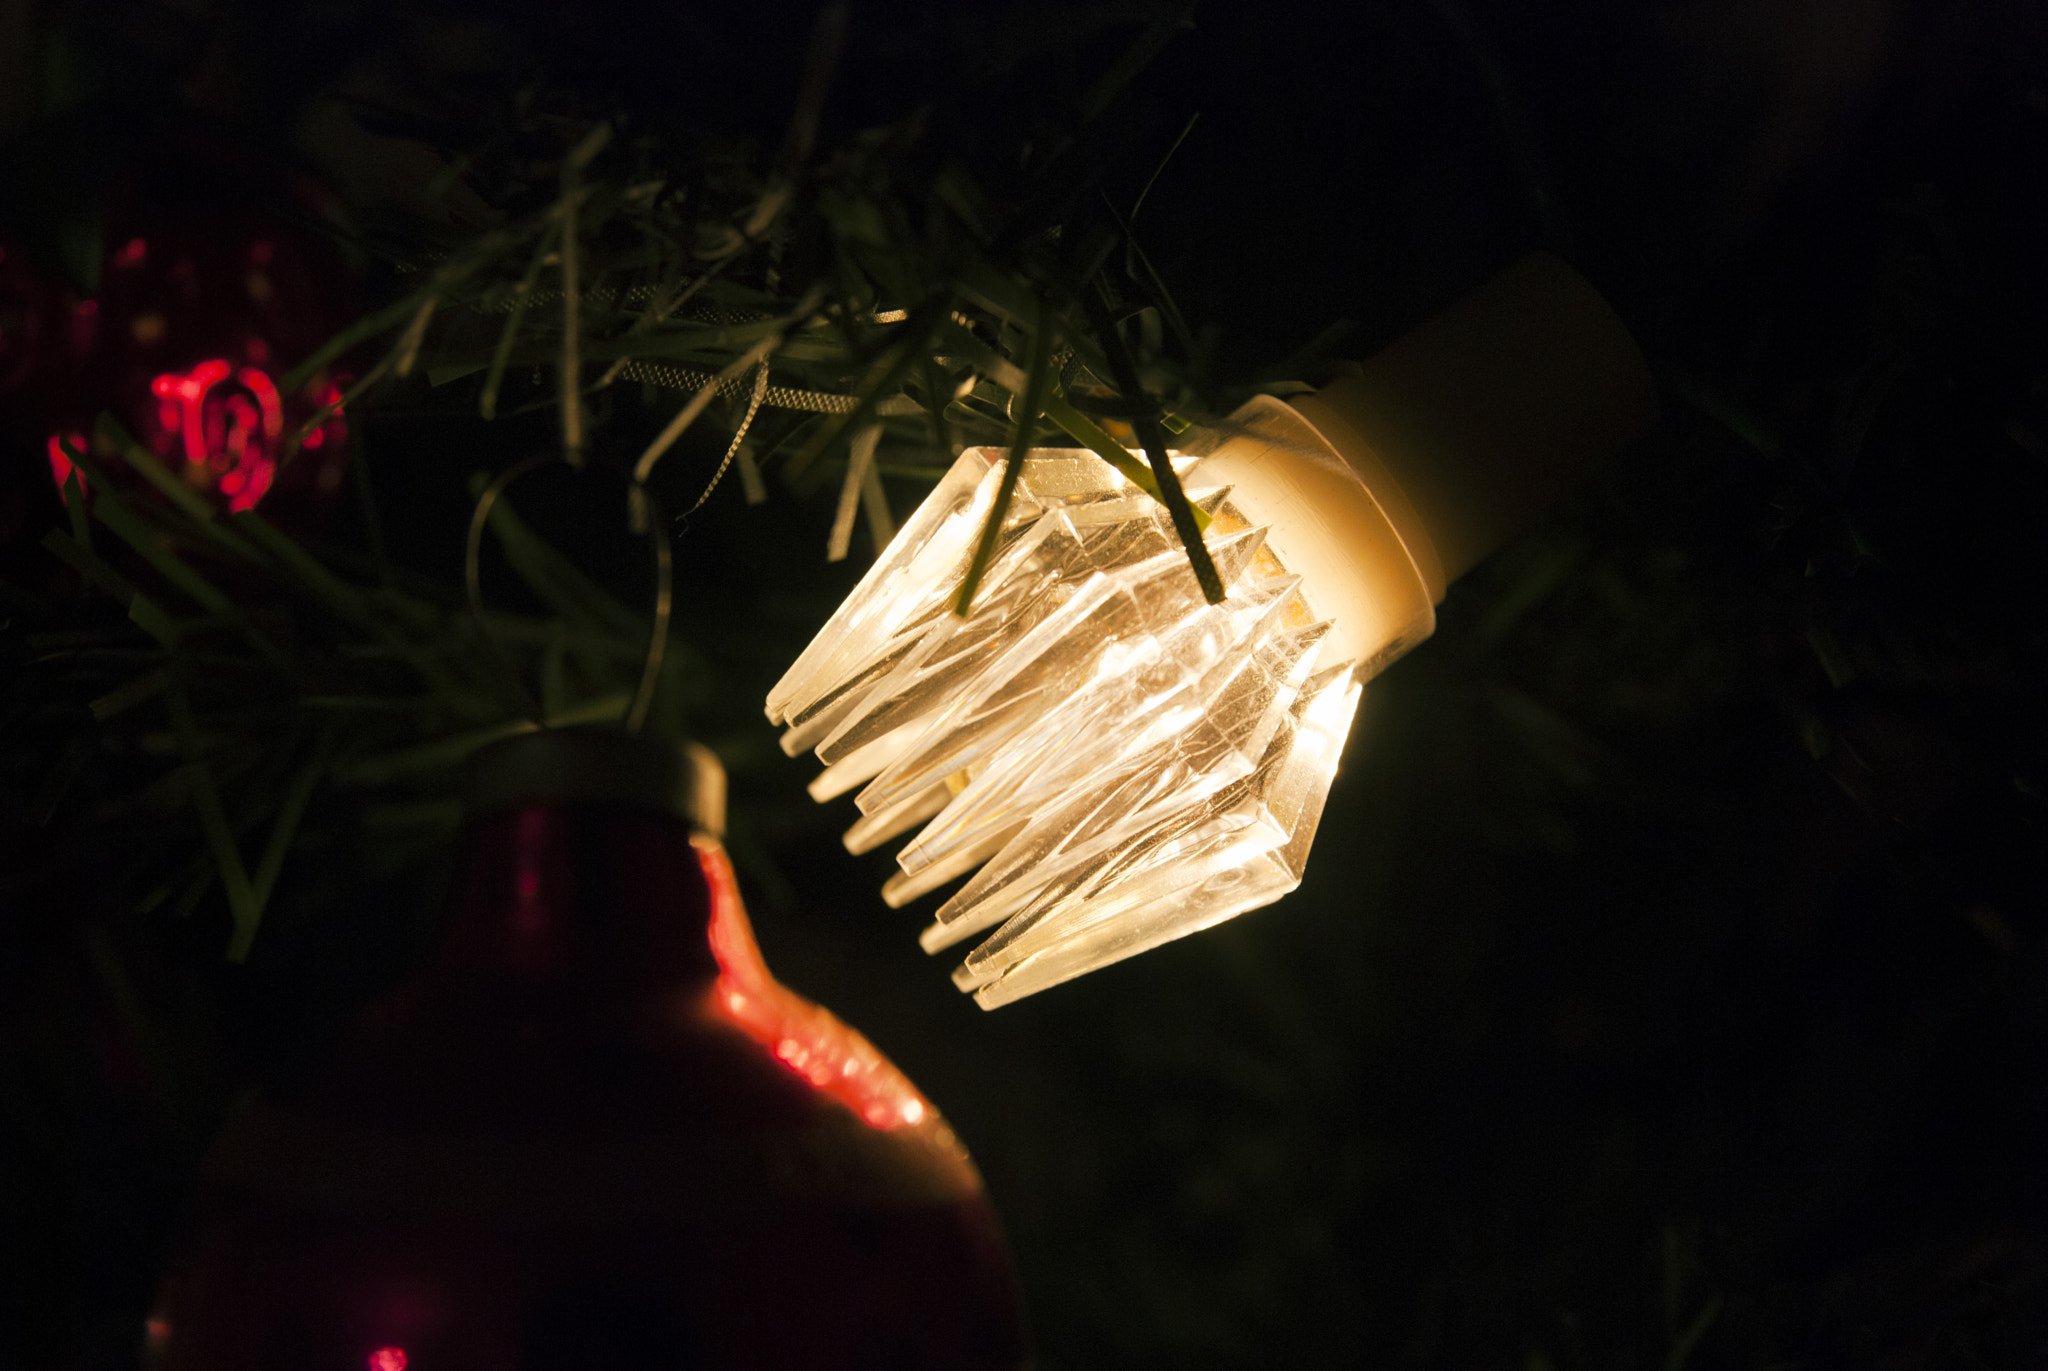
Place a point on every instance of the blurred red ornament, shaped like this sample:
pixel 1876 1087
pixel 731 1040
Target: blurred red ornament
pixel 227 423
pixel 205 300
pixel 594 1131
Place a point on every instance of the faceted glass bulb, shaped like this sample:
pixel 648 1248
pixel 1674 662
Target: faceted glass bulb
pixel 1123 762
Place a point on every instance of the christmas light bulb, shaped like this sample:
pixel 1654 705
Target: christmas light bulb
pixel 1111 761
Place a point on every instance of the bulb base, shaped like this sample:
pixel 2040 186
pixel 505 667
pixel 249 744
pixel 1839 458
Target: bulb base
pixel 1325 525
pixel 1384 487
pixel 599 764
pixel 1481 417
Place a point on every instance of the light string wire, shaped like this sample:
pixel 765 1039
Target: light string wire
pixel 739 436
pixel 644 512
pixel 472 579
pixel 698 403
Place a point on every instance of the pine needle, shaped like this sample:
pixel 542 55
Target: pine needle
pixel 1139 203
pixel 282 830
pixel 126 697
pixel 408 350
pixel 1171 495
pixel 883 377
pixel 874 502
pixel 443 754
pixel 77 752
pixel 1037 378
pixel 750 476
pixel 858 463
pixel 821 60
pixel 646 516
pixel 572 292
pixel 90 568
pixel 129 526
pixel 220 839
pixel 663 303
pixel 1096 439
pixel 75 505
pixel 369 326
pixel 1135 58
pixel 343 400
pixel 494 375
pixel 203 518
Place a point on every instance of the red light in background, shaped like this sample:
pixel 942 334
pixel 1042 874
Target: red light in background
pixel 60 461
pixel 387 1359
pixel 329 403
pixel 266 395
pixel 189 391
pixel 805 1037
pixel 233 431
pixel 131 253
pixel 229 424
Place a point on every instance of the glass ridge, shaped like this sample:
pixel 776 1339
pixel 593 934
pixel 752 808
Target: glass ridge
pixel 1124 763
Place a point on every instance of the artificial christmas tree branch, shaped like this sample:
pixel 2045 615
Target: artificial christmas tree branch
pixel 853 297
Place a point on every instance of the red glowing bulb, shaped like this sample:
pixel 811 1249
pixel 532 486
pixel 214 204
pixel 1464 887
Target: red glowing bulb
pixel 222 429
pixel 388 1359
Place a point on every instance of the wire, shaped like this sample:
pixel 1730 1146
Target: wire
pixel 774 397
pixel 643 514
pixel 739 436
pixel 473 578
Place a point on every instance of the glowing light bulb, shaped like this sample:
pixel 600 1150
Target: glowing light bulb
pixel 1118 763
pixel 1098 740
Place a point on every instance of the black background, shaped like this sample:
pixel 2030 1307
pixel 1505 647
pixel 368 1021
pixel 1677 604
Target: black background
pixel 1669 985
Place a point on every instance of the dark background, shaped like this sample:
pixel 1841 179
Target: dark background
pixel 1669 986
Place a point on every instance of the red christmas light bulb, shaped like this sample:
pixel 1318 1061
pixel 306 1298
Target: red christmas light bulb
pixel 204 304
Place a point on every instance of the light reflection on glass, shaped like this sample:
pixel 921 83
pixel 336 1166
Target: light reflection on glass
pixel 804 1037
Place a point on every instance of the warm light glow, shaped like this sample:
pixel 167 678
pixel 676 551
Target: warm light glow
pixel 387 1359
pixel 1122 762
pixel 807 1039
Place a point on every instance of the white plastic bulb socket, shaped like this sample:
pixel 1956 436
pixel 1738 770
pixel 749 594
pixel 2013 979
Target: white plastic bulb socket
pixel 1107 759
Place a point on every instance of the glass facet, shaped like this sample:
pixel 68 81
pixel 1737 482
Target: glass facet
pixel 1123 762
